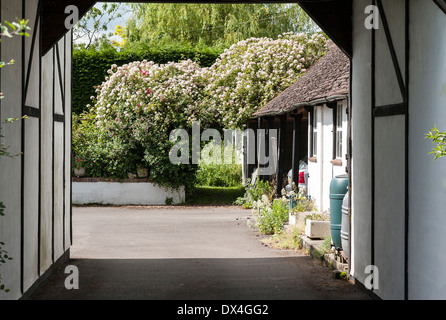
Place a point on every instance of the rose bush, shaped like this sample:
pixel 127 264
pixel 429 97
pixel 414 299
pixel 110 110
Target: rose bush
pixel 140 103
pixel 252 72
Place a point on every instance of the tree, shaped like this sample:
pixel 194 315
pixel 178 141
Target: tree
pixel 91 30
pixel 213 24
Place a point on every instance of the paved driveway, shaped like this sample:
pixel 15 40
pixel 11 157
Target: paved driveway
pixel 187 253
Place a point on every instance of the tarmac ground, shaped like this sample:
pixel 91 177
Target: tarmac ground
pixel 183 253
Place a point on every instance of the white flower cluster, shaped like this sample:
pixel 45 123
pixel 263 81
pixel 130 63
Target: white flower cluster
pixel 148 98
pixel 252 72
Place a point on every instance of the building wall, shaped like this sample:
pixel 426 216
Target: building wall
pixel 398 237
pixel 427 179
pixel 35 185
pixel 321 171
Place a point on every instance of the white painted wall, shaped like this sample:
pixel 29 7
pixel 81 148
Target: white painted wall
pixel 128 193
pixel 323 171
pixel 43 174
pixel 427 179
pixel 361 141
pixel 10 191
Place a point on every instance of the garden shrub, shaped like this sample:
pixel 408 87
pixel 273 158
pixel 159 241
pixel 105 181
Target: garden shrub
pixel 219 175
pixel 140 103
pixel 270 216
pixel 90 66
pixel 252 72
pixel 254 193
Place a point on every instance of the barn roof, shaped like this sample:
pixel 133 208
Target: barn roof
pixel 327 79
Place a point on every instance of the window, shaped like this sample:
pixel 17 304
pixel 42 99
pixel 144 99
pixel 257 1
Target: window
pixel 315 131
pixel 338 132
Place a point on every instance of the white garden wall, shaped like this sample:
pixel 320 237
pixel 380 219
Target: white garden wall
pixel 125 193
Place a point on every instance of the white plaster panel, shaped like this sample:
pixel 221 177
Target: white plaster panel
pixel 32 97
pixel 58 189
pixel 46 162
pixel 31 201
pixel 390 205
pixel 427 179
pixel 361 140
pixel 10 224
pixel 387 87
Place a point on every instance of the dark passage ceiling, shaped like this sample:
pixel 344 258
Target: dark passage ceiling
pixel 333 16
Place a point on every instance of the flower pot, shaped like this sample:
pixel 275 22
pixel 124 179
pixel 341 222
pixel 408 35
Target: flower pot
pixel 143 172
pixel 317 229
pixel 79 172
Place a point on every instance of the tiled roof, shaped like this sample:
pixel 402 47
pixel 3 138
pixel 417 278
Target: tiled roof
pixel 327 78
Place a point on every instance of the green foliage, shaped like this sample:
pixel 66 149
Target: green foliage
pixel 96 21
pixel 90 66
pixel 439 139
pixel 254 193
pixel 219 175
pixel 222 174
pixel 270 216
pixel 213 24
pixel 325 247
pixel 290 238
pixel 300 201
pixel 210 196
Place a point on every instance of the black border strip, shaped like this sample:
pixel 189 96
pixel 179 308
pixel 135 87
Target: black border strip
pixel 389 110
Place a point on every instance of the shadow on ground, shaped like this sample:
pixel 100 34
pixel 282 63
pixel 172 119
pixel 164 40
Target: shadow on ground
pixel 198 279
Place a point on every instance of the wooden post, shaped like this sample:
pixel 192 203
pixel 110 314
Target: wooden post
pixel 296 147
pixel 280 154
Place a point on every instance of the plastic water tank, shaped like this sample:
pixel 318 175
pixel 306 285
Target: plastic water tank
pixel 338 189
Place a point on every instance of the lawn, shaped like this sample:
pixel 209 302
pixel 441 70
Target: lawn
pixel 215 195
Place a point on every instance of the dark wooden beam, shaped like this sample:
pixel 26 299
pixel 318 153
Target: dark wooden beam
pixel 335 18
pixel 53 19
pixel 280 154
pixel 296 147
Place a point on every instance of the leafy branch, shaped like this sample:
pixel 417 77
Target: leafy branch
pixel 438 138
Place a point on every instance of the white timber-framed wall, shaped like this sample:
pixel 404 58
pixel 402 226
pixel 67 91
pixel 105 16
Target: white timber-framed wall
pixel 323 164
pixel 398 191
pixel 35 186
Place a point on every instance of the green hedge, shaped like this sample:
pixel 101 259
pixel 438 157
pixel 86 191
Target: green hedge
pixel 90 67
